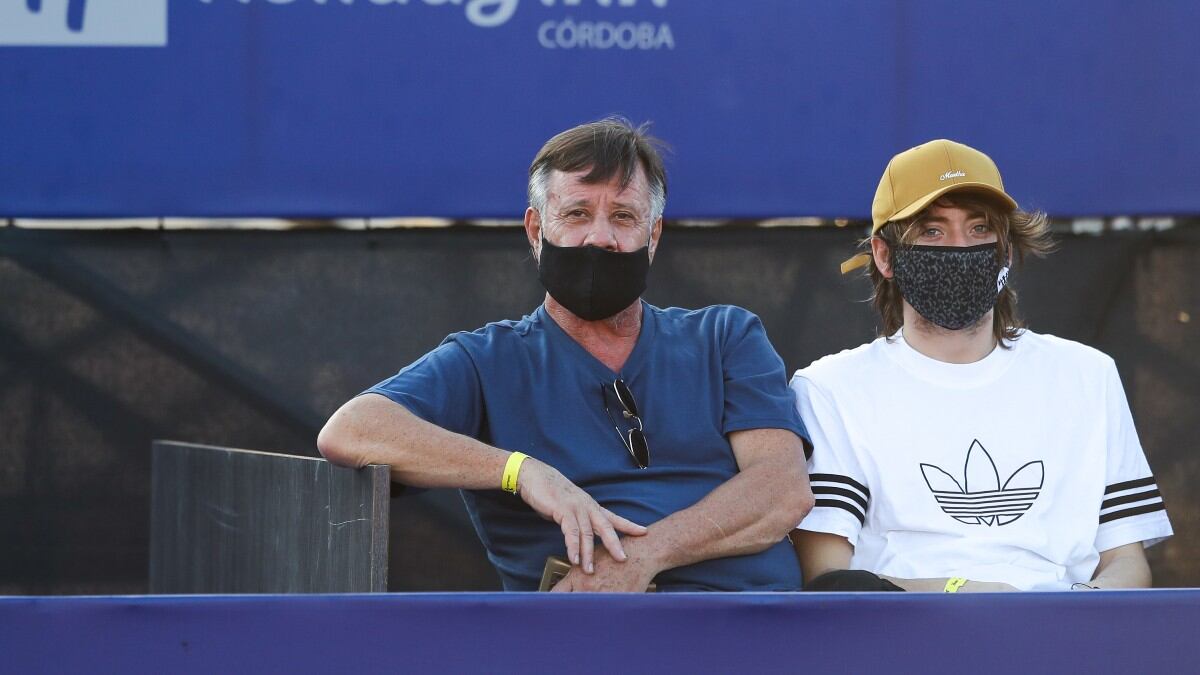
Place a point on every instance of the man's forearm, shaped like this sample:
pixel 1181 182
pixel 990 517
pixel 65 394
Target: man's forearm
pixel 371 429
pixel 748 513
pixel 1124 567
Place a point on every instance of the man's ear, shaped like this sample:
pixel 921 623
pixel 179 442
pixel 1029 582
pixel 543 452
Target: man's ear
pixel 533 231
pixel 655 235
pixel 882 255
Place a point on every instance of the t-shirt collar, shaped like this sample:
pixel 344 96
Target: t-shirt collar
pixel 956 375
pixel 562 340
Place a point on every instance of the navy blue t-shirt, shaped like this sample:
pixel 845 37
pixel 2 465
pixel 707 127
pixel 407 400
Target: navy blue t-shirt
pixel 526 385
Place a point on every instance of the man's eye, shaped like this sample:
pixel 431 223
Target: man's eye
pixel 931 232
pixel 982 228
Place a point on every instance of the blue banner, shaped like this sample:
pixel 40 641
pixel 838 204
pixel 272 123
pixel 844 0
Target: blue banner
pixel 435 107
pixel 1082 632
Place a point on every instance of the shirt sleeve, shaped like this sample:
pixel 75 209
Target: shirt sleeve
pixel 756 391
pixel 442 387
pixel 838 482
pixel 1132 509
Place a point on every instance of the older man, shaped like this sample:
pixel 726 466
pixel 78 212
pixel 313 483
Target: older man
pixel 669 434
pixel 961 452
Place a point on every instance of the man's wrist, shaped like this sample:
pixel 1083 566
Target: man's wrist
pixel 512 469
pixel 646 552
pixel 953 584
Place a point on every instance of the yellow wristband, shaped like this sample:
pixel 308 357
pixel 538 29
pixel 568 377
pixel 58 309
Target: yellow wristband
pixel 512 467
pixel 953 584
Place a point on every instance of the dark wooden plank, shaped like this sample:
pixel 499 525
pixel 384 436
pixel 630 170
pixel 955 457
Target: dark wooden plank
pixel 225 520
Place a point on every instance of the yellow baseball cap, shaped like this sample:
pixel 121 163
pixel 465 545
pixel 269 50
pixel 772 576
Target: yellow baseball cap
pixel 915 178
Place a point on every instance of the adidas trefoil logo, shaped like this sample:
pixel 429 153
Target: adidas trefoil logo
pixel 980 499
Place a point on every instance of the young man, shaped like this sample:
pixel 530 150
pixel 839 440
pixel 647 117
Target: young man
pixel 961 452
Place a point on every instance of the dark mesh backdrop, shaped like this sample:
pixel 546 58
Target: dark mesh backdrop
pixel 251 339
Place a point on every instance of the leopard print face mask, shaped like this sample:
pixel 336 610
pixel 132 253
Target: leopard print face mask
pixel 951 286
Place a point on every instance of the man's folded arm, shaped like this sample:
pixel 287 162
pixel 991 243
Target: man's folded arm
pixel 746 514
pixel 371 429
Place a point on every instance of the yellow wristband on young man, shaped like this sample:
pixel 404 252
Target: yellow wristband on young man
pixel 508 482
pixel 953 584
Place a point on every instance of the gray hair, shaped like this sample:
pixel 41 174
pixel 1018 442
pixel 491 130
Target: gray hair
pixel 539 184
pixel 608 147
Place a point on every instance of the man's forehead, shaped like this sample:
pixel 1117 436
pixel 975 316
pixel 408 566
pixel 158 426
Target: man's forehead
pixel 943 208
pixel 567 182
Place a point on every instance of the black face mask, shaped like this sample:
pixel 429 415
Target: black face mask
pixel 951 286
pixel 590 282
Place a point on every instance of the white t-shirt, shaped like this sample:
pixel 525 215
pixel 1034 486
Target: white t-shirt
pixel 1019 468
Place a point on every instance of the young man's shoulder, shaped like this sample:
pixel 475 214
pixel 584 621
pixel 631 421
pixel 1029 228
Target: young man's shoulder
pixel 864 363
pixel 848 366
pixel 1057 349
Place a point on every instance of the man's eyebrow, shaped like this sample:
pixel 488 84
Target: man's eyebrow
pixel 617 204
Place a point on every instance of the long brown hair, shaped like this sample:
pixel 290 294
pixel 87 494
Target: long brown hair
pixel 1016 231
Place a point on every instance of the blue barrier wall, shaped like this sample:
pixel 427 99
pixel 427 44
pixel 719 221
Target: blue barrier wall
pixel 435 107
pixel 1081 632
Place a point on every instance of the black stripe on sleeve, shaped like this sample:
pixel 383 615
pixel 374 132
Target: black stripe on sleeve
pixel 1136 511
pixel 839 504
pixel 1133 497
pixel 830 490
pixel 1129 485
pixel 836 478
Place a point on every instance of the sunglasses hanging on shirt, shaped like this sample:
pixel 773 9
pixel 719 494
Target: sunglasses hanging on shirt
pixel 634 439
